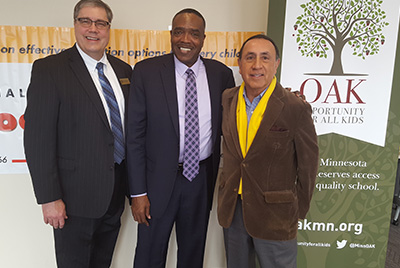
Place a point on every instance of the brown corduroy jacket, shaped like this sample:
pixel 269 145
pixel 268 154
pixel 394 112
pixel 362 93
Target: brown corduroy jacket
pixel 278 172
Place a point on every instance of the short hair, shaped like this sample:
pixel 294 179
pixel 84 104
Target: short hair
pixel 190 11
pixel 93 3
pixel 260 36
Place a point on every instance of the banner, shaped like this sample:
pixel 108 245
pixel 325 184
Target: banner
pixel 21 45
pixel 341 55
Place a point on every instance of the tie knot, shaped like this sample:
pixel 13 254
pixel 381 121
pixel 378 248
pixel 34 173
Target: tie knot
pixel 189 72
pixel 99 67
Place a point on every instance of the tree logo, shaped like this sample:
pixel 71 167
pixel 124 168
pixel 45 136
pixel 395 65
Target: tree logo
pixel 333 24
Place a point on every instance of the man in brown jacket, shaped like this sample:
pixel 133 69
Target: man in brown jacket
pixel 270 155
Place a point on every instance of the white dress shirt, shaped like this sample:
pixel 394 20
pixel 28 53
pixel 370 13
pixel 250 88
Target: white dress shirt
pixel 112 78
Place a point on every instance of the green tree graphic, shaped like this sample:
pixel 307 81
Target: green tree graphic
pixel 327 24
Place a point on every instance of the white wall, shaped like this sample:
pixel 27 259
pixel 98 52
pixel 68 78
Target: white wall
pixel 220 15
pixel 25 241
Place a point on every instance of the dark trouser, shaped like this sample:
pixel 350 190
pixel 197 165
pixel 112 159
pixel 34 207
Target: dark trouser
pixel 89 243
pixel 189 211
pixel 241 249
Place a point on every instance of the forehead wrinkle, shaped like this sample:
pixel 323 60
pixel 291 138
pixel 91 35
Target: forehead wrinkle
pixel 258 53
pixel 186 28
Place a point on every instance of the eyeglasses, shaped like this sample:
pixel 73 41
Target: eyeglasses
pixel 86 22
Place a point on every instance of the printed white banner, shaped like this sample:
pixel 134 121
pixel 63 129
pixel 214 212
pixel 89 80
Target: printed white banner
pixel 340 55
pixel 21 45
pixel 14 80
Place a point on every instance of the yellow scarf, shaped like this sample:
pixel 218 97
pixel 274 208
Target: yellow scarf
pixel 247 134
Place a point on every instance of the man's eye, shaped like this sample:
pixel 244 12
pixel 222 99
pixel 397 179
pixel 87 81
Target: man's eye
pixel 101 23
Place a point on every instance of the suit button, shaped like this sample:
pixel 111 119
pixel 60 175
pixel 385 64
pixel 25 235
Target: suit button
pixel 112 167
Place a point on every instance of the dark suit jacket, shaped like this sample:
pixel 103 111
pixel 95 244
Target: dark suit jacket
pixel 153 128
pixel 278 172
pixel 69 144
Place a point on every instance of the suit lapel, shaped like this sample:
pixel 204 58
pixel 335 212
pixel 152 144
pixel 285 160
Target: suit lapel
pixel 79 69
pixel 169 86
pixel 120 73
pixel 215 98
pixel 271 115
pixel 232 125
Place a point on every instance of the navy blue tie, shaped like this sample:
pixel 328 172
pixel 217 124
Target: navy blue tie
pixel 116 124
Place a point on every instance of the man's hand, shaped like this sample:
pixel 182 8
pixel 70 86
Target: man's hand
pixel 141 209
pixel 54 213
pixel 297 93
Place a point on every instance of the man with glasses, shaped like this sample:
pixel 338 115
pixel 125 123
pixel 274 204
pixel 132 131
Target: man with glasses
pixel 74 140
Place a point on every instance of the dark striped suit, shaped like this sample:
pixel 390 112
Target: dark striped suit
pixel 69 144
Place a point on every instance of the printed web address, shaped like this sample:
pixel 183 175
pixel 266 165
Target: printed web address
pixel 306 225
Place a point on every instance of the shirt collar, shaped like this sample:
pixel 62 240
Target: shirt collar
pixel 256 98
pixel 89 61
pixel 181 67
